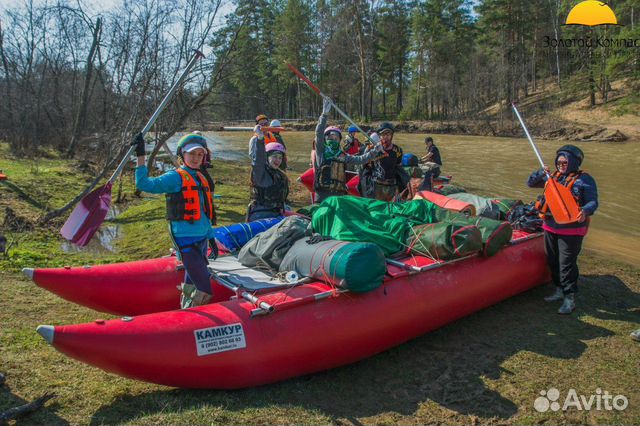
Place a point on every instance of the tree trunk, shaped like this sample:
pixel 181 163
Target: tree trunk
pixel 82 110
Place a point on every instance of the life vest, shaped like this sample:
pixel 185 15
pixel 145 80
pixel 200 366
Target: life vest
pixel 274 196
pixel 331 176
pixel 390 161
pixel 185 205
pixel 351 146
pixel 270 137
pixel 541 204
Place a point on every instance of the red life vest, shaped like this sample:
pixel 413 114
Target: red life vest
pixel 185 205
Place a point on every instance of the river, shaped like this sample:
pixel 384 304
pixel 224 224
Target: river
pixel 500 167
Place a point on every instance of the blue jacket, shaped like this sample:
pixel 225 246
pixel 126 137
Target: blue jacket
pixel 183 232
pixel 584 189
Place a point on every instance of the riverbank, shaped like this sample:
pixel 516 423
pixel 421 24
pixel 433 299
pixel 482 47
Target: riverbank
pixel 551 114
pixel 487 368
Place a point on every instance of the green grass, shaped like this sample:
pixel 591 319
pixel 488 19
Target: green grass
pixel 486 368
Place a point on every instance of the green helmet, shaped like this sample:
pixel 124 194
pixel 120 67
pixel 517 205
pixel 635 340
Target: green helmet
pixel 191 139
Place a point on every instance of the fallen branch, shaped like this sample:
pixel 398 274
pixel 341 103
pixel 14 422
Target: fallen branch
pixel 21 410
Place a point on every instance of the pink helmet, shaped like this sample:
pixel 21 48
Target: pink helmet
pixel 275 147
pixel 333 129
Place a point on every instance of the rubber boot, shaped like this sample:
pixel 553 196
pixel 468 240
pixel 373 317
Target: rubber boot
pixel 557 295
pixel 568 305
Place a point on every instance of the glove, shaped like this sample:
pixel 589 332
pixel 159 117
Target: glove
pixel 258 131
pixel 214 249
pixel 377 144
pixel 326 106
pixel 138 142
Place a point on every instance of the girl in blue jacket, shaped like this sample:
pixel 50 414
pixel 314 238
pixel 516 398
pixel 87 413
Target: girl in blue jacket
pixel 190 211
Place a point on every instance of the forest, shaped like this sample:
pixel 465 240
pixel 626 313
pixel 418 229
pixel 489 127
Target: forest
pixel 72 78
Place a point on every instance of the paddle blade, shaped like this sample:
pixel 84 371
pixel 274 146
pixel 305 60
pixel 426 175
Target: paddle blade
pixel 87 217
pixel 562 205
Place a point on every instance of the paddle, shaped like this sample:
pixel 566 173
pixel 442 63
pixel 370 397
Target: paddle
pixel 341 112
pixel 90 212
pixel 562 204
pixel 250 129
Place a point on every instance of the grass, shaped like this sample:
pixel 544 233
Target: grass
pixel 486 368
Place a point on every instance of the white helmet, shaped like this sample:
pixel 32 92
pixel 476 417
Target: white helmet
pixel 275 123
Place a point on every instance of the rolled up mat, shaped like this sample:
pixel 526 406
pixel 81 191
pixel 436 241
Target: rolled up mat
pixel 358 267
pixel 446 202
pixel 495 233
pixel 444 240
pixel 233 237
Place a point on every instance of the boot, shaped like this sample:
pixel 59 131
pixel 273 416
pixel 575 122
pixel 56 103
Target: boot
pixel 200 298
pixel 557 295
pixel 635 335
pixel 187 291
pixel 568 305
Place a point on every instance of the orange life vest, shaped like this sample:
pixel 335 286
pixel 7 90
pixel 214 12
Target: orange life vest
pixel 185 205
pixel 269 137
pixel 541 203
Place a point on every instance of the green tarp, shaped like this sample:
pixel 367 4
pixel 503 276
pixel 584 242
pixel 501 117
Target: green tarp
pixel 356 219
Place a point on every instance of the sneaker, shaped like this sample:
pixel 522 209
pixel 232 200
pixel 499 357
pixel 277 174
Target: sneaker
pixel 557 295
pixel 568 305
pixel 635 335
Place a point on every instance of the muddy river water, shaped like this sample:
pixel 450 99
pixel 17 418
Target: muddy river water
pixel 500 167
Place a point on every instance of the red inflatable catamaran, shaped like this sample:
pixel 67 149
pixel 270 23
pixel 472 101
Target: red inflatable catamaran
pixel 276 333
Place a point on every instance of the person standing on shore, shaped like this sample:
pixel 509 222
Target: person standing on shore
pixel 564 242
pixel 190 212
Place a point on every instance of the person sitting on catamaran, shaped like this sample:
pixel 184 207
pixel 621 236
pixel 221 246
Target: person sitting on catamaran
pixel 190 212
pixel 564 242
pixel 269 184
pixel 330 160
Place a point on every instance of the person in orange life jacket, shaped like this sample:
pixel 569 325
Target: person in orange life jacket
pixel 269 184
pixel 564 242
pixel 329 161
pixel 383 178
pixel 190 212
pixel 262 121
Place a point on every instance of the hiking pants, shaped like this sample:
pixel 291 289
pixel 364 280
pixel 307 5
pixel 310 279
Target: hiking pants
pixel 194 259
pixel 562 257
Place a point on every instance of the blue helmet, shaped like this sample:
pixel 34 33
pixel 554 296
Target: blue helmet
pixel 409 160
pixel 352 129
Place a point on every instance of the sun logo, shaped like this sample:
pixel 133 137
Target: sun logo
pixel 591 13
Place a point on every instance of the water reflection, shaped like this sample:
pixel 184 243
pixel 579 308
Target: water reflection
pixel 104 239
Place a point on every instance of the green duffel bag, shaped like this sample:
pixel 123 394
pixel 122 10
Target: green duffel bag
pixel 444 240
pixel 495 233
pixel 358 267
